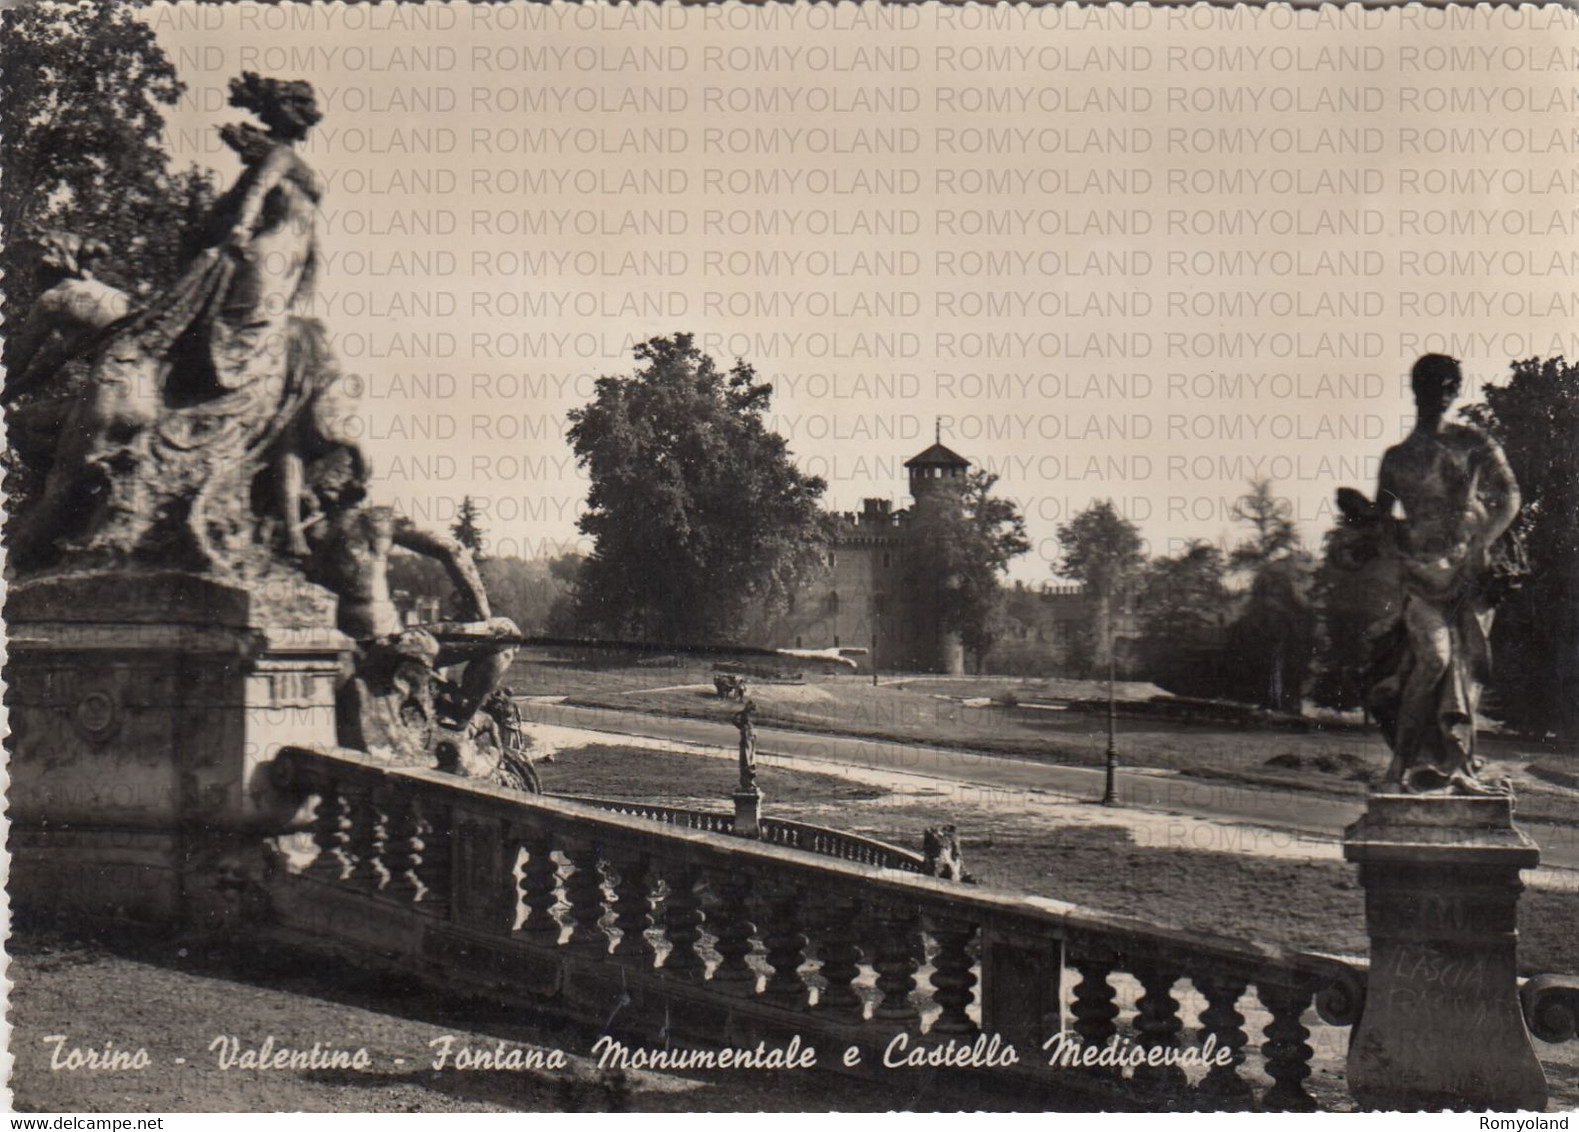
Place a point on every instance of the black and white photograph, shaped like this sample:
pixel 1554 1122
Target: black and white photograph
pixel 790 556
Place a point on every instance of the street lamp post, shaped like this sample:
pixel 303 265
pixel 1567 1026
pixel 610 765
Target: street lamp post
pixel 876 607
pixel 1109 789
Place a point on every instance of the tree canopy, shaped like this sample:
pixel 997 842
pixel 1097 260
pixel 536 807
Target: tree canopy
pixel 1535 642
pixel 1103 551
pixel 1183 610
pixel 1273 640
pixel 86 87
pixel 965 539
pixel 537 594
pixel 696 511
pixel 1273 535
pixel 467 528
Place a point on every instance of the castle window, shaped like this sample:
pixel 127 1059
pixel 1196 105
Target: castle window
pixel 887 561
pixel 833 559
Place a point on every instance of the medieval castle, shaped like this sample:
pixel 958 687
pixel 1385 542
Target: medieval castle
pixel 863 602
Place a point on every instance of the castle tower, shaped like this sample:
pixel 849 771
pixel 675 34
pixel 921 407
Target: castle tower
pixel 932 469
pixel 932 473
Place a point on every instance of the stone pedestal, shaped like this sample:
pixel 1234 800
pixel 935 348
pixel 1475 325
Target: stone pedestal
pixel 748 812
pixel 144 708
pixel 1442 1027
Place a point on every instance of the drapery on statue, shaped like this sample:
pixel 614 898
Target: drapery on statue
pixel 1434 576
pixel 198 409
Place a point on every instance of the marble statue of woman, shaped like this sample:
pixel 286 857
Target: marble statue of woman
pixel 219 378
pixel 1430 572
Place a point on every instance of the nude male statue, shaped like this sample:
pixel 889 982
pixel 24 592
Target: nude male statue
pixel 350 542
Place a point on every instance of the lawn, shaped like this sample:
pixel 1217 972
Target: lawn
pixel 970 714
pixel 1306 904
pixel 959 719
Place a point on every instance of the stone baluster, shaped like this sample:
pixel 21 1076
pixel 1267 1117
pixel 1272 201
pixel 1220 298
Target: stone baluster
pixel 786 947
pixel 898 949
pixel 682 925
pixel 540 888
pixel 952 977
pixel 1223 1087
pixel 432 845
pixel 838 928
pixel 1287 1054
pixel 584 893
pixel 332 834
pixel 734 929
pixel 633 909
pixel 1095 1009
pixel 369 839
pixel 402 854
pixel 1157 1025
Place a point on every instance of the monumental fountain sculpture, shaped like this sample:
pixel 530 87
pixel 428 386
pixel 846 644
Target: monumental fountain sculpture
pixel 196 577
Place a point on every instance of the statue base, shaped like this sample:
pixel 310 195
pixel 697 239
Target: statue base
pixel 748 813
pixel 1442 1026
pixel 144 710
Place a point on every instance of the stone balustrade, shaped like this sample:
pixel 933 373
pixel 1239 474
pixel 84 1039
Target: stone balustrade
pixel 774 831
pixel 670 930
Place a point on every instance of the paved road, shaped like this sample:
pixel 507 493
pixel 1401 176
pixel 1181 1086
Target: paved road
pixel 988 776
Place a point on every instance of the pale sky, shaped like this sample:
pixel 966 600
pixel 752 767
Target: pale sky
pixel 1121 252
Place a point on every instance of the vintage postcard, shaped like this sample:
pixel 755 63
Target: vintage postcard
pixel 740 557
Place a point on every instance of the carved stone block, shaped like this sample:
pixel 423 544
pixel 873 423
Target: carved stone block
pixel 149 706
pixel 1442 1027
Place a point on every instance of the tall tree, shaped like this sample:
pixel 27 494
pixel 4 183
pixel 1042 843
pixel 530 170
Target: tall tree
pixel 1535 417
pixel 1272 642
pixel 1103 551
pixel 965 539
pixel 1343 615
pixel 467 529
pixel 1273 535
pixel 80 125
pixel 696 511
pixel 1183 610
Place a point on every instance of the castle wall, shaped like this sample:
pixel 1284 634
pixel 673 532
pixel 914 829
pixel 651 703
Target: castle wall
pixel 866 584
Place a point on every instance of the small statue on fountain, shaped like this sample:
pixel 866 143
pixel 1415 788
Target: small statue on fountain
pixel 748 744
pixel 1435 575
